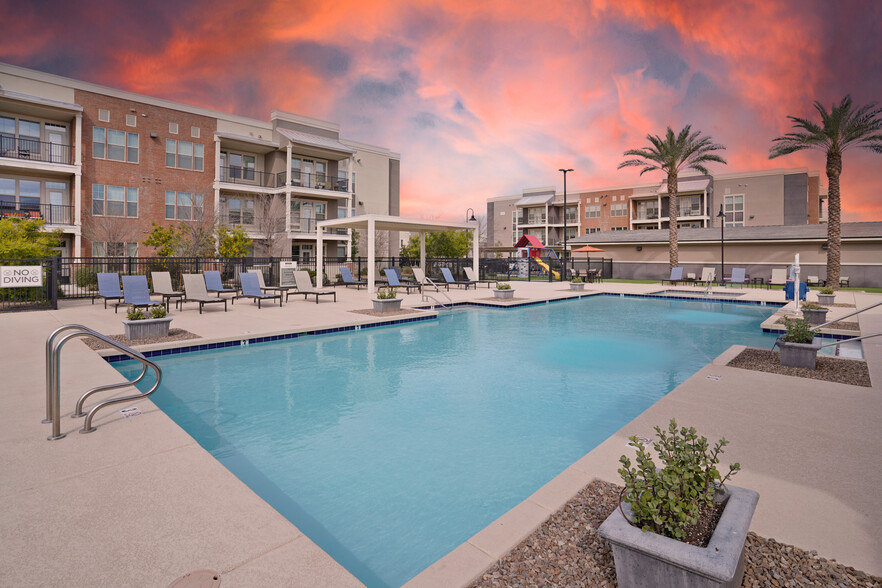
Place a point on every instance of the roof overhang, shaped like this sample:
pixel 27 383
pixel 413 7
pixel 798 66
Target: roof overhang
pixel 384 222
pixel 250 144
pixel 537 200
pixel 43 107
pixel 316 145
pixel 686 186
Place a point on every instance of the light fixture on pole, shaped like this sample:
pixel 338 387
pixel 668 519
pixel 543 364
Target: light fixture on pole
pixel 564 264
pixel 722 217
pixel 470 218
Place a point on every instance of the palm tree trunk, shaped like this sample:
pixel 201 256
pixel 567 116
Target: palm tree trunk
pixel 834 231
pixel 673 209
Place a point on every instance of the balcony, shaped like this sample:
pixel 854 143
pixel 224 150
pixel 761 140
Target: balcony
pixel 646 217
pixel 31 149
pixel 249 177
pixel 53 214
pixel 315 181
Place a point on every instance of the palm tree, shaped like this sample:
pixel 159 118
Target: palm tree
pixel 841 128
pixel 685 150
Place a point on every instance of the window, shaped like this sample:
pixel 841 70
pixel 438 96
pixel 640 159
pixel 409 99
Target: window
pixel 240 211
pixel 114 145
pixel 195 132
pixel 311 173
pixel 690 205
pixel 592 211
pixel 590 230
pixel 184 154
pixel 114 201
pixel 237 166
pixel 341 250
pixel 618 209
pixel 103 115
pixel 131 120
pixel 647 210
pixel 114 249
pixel 619 229
pixel 173 128
pixel 183 206
pixel 734 210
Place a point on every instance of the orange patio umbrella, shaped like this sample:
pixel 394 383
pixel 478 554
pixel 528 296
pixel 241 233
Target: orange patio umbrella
pixel 588 249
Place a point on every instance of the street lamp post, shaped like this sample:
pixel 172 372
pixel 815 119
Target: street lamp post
pixel 564 264
pixel 470 218
pixel 722 217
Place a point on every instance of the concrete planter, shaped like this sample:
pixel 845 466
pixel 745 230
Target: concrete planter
pixel 387 305
pixel 648 559
pixel 815 316
pixel 503 294
pixel 146 328
pixel 826 299
pixel 577 286
pixel 803 355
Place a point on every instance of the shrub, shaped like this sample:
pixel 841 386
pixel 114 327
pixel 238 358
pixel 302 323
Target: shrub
pixel 385 293
pixel 86 277
pixel 576 280
pixel 669 500
pixel 811 306
pixel 158 312
pixel 503 286
pixel 798 331
pixel 826 290
pixel 135 314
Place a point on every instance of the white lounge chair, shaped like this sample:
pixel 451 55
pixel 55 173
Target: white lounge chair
pixel 305 287
pixel 708 275
pixel 162 286
pixel 195 291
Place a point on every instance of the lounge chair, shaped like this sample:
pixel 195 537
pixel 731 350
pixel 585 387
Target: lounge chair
pixel 136 292
pixel 676 276
pixel 108 289
pixel 348 280
pixel 263 286
pixel 843 281
pixel 690 277
pixel 708 275
pixel 213 283
pixel 422 280
pixel 813 281
pixel 779 277
pixel 251 289
pixel 739 275
pixel 305 287
pixel 394 282
pixel 162 286
pixel 448 279
pixel 470 275
pixel 194 291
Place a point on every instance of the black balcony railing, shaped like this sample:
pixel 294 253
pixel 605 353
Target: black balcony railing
pixel 249 177
pixel 22 147
pixel 317 181
pixel 53 214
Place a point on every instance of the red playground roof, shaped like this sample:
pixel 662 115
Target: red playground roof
pixel 529 241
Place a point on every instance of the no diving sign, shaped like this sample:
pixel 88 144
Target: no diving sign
pixel 21 276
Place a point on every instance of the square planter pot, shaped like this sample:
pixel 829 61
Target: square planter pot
pixel 387 305
pixel 803 355
pixel 146 328
pixel 815 317
pixel 648 559
pixel 503 294
pixel 826 299
pixel 578 286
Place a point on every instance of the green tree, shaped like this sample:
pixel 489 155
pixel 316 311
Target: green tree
pixel 843 127
pixel 355 235
pixel 232 242
pixel 440 244
pixel 671 154
pixel 25 239
pixel 166 241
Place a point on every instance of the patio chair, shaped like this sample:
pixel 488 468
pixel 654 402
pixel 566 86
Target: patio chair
pixel 213 283
pixel 263 286
pixel 708 275
pixel 843 281
pixel 779 277
pixel 448 279
pixel 136 292
pixel 162 286
pixel 394 282
pixel 690 277
pixel 424 281
pixel 305 287
pixel 739 275
pixel 813 281
pixel 108 288
pixel 348 280
pixel 676 276
pixel 194 291
pixel 470 275
pixel 251 289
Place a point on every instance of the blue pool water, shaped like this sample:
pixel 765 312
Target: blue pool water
pixel 390 446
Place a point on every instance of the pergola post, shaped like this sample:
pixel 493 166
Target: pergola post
pixel 423 250
pixel 372 258
pixel 319 256
pixel 475 251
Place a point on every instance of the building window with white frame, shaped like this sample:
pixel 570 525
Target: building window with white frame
pixel 592 211
pixel 114 249
pixel 618 209
pixel 238 210
pixel 114 201
pixel 114 145
pixel 183 206
pixel 184 155
pixel 734 210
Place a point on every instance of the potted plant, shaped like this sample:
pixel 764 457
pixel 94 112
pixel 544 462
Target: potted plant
pixel 138 325
pixel 826 295
pixel 577 284
pixel 797 346
pixel 815 314
pixel 386 300
pixel 503 291
pixel 662 534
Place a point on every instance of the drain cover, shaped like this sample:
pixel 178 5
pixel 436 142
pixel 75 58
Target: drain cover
pixel 197 579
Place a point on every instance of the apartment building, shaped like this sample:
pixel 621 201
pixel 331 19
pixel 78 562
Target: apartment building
pixel 103 165
pixel 761 198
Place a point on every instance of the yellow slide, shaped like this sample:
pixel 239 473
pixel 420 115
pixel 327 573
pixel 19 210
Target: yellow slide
pixel 544 266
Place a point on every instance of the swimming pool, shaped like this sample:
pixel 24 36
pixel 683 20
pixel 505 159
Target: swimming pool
pixel 390 446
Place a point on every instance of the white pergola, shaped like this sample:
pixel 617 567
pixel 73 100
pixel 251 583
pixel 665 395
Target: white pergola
pixel 371 223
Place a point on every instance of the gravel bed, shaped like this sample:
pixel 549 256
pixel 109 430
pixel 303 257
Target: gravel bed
pixel 841 325
pixel 567 551
pixel 173 335
pixel 830 369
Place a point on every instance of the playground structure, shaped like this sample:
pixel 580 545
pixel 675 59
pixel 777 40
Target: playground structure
pixel 530 248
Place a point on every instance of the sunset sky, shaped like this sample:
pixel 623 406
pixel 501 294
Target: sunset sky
pixel 487 98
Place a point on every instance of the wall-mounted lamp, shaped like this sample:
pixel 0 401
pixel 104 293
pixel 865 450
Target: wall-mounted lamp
pixel 640 248
pixel 144 114
pixel 153 135
pixel 132 110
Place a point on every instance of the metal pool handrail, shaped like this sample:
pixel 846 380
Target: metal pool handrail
pixel 53 378
pixel 846 316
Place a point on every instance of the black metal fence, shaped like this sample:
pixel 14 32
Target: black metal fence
pixel 16 293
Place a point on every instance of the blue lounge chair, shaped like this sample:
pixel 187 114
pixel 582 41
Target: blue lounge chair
pixel 739 275
pixel 108 289
pixel 448 278
pixel 394 282
pixel 213 283
pixel 348 280
pixel 136 293
pixel 676 276
pixel 251 289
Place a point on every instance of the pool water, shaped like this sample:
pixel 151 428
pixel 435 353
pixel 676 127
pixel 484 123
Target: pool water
pixel 390 446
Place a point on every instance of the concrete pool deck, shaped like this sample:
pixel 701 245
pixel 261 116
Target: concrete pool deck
pixel 139 502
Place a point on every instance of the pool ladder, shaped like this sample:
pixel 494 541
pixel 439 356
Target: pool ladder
pixel 53 379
